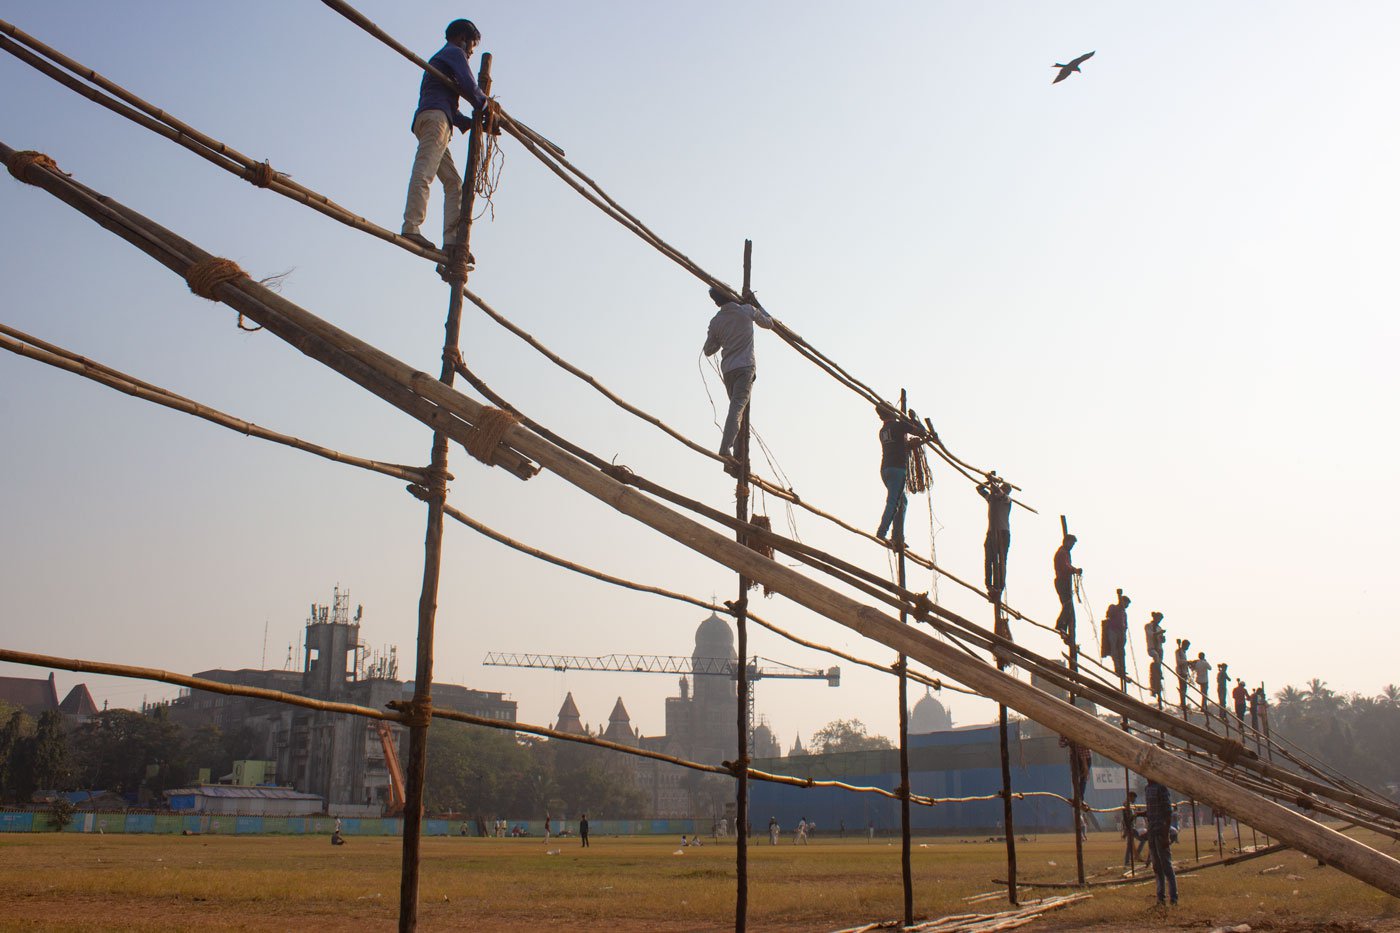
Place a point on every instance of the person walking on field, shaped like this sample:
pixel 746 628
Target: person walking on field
pixel 731 329
pixel 773 830
pixel 1159 841
pixel 1065 572
pixel 546 827
pixel 583 830
pixel 433 121
pixel 998 541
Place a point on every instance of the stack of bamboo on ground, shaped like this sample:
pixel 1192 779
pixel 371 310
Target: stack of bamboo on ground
pixel 978 923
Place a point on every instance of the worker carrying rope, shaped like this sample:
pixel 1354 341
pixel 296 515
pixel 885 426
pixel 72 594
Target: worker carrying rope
pixel 998 541
pixel 897 435
pixel 1113 640
pixel 731 329
pixel 433 121
pixel 1065 572
pixel 1156 637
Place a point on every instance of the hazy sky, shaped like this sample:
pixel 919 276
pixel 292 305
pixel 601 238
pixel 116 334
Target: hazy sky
pixel 1160 296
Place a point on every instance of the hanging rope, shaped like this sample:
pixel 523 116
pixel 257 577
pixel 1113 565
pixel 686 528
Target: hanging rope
pixel 493 159
pixel 919 479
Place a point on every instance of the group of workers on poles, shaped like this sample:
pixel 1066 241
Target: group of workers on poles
pixel 731 333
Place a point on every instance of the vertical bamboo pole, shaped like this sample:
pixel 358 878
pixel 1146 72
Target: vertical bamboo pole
pixel 1007 820
pixel 741 615
pixel 432 557
pixel 906 837
pixel 1075 766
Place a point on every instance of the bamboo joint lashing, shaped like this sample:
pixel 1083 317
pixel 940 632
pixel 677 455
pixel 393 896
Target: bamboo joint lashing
pixel 418 713
pixel 261 174
pixel 208 274
pixel 21 162
pixel 486 435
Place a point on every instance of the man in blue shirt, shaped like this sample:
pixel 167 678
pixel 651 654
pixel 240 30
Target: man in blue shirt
pixel 1159 840
pixel 433 121
pixel 731 329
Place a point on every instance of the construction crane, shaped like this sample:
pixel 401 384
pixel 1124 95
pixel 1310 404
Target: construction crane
pixel 391 762
pixel 670 664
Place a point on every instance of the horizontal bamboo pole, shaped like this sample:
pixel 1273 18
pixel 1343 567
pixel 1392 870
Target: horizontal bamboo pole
pixel 201 144
pixel 1078 726
pixel 114 379
pixel 194 683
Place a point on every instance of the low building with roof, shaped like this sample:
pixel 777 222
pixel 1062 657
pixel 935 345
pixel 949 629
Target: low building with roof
pixel 37 695
pixel 236 800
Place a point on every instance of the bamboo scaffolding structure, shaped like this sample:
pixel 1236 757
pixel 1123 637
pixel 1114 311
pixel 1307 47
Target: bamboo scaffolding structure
pixel 976 923
pixel 302 329
pixel 742 696
pixel 553 158
pixel 436 489
pixel 34 349
pixel 1146 879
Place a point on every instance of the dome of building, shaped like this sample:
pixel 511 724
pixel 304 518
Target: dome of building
pixel 714 639
pixel 765 744
pixel 929 716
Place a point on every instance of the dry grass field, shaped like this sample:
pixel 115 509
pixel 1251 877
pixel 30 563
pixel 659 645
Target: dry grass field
pixel 209 883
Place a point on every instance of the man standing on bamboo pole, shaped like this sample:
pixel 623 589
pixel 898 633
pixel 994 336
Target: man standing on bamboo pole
pixel 897 436
pixel 731 329
pixel 1183 672
pixel 433 121
pixel 1114 640
pixel 1156 637
pixel 998 541
pixel 1065 572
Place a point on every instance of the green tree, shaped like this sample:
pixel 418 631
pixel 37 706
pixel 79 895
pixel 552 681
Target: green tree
pixel 846 735
pixel 50 755
pixel 16 770
pixel 115 749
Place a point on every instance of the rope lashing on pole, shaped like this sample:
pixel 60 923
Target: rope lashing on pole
pixel 206 275
pixel 261 174
pixel 21 162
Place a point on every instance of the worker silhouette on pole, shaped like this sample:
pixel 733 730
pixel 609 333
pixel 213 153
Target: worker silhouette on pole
pixel 1183 669
pixel 1241 697
pixel 731 329
pixel 897 435
pixel 1202 668
pixel 1222 685
pixel 1065 572
pixel 1154 677
pixel 1156 637
pixel 1113 640
pixel 998 542
pixel 433 121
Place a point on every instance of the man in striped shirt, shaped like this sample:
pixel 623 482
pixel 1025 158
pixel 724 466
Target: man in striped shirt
pixel 1159 840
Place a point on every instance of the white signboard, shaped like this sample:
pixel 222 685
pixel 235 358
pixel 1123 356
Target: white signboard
pixel 1109 779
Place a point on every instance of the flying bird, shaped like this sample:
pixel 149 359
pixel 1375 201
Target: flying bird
pixel 1066 70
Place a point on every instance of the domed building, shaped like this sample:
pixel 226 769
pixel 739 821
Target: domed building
pixel 700 722
pixel 929 715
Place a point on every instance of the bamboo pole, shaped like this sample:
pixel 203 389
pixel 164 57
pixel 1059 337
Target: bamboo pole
pixel 206 147
pixel 1008 817
pixel 1075 764
pixel 432 548
pixel 743 693
pixel 61 359
pixel 300 326
pixel 81 666
pixel 906 842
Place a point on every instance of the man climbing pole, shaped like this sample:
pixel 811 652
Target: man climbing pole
pixel 1065 572
pixel 998 541
pixel 1113 639
pixel 1202 668
pixel 1183 669
pixel 1156 637
pixel 897 435
pixel 433 121
pixel 731 329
